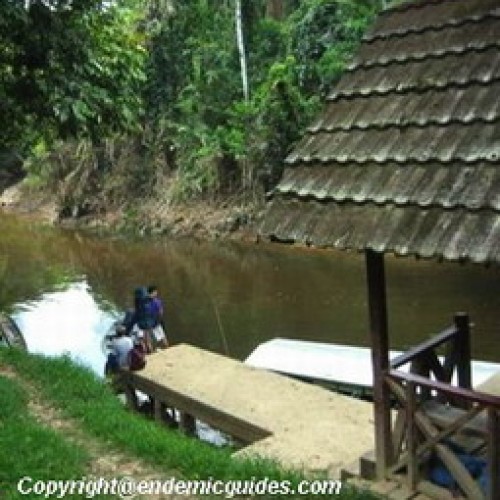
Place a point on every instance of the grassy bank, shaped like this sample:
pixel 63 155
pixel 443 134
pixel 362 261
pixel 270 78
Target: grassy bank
pixel 28 449
pixel 81 396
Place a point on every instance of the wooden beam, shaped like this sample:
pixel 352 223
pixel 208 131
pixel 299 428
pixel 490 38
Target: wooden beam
pixel 398 433
pixel 467 394
pixel 380 359
pixel 459 472
pixel 130 396
pixel 449 459
pixel 411 436
pixel 493 454
pixel 428 345
pixel 463 350
pixel 158 408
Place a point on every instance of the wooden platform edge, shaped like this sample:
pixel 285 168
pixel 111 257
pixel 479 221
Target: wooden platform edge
pixel 241 429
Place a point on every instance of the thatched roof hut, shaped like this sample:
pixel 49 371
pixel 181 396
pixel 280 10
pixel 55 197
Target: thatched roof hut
pixel 405 158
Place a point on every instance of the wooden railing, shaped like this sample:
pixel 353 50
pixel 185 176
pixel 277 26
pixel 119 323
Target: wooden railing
pixel 440 419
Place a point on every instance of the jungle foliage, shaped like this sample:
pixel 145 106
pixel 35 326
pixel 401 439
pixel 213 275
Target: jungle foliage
pixel 131 97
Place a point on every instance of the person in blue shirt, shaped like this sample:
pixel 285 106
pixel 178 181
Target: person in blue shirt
pixel 157 309
pixel 143 319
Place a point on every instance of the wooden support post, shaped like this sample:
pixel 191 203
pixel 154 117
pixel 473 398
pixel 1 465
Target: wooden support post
pixel 187 424
pixel 398 433
pixel 463 350
pixel 380 359
pixel 131 397
pixel 411 436
pixel 158 410
pixel 493 454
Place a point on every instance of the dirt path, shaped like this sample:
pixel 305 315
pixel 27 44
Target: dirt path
pixel 105 461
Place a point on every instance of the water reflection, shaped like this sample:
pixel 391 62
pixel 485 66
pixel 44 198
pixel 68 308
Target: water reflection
pixel 68 321
pixel 229 297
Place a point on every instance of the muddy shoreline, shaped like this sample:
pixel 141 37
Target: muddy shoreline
pixel 202 219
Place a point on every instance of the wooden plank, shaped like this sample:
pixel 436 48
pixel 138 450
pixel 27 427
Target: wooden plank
pixel 246 431
pixel 384 487
pixel 433 491
pixel 411 436
pixel 158 409
pixel 450 460
pixel 130 395
pixel 402 493
pixel 380 358
pixel 398 432
pixel 446 416
pixel 437 436
pixel 428 345
pixel 463 350
pixel 493 454
pixel 459 424
pixel 468 394
pixel 456 468
pixel 459 472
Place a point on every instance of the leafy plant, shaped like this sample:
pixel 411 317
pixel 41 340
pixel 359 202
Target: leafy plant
pixel 158 83
pixel 69 69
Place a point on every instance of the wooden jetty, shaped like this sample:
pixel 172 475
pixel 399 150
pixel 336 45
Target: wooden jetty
pixel 298 424
pixel 10 335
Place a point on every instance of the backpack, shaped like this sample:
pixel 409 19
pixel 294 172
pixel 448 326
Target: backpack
pixel 137 359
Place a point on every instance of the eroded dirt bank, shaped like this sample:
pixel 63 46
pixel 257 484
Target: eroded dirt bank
pixel 233 218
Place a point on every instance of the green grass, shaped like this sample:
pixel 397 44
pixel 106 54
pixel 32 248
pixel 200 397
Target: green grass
pixel 30 450
pixel 85 398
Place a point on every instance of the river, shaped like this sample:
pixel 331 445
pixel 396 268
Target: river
pixel 65 288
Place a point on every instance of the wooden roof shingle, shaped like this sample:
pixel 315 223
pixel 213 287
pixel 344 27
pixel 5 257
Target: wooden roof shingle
pixel 405 156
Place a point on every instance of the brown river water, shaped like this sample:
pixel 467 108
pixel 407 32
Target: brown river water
pixel 65 288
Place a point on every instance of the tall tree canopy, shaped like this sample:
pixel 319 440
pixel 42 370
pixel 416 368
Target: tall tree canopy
pixel 68 68
pixel 169 74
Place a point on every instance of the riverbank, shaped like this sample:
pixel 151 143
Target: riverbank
pixel 84 431
pixel 235 217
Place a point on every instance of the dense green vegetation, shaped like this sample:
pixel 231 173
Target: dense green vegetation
pixel 86 399
pixel 105 101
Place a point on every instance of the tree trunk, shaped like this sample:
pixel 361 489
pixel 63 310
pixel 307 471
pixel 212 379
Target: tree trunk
pixel 241 49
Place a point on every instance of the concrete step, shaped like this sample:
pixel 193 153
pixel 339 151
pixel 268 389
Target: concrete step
pixel 367 466
pixel 350 471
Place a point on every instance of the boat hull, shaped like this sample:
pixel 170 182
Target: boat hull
pixel 10 335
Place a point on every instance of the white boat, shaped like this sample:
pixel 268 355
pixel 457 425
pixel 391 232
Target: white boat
pixel 344 368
